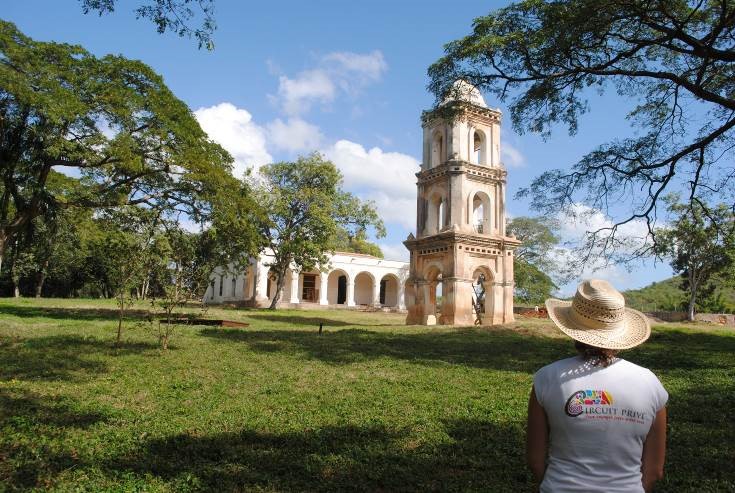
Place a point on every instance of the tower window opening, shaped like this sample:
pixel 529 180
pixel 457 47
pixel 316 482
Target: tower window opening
pixel 437 150
pixel 481 213
pixel 479 148
pixel 441 222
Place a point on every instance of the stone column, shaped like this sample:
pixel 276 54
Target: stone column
pixel 350 291
pixel 294 287
pixel 412 302
pixel 508 286
pixel 323 288
pixel 401 296
pixel 261 284
pixel 376 292
pixel 498 304
pixel 457 302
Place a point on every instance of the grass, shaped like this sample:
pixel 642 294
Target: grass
pixel 370 405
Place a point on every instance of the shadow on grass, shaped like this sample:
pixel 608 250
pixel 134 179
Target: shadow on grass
pixel 474 455
pixel 30 425
pixel 60 357
pixel 700 446
pixel 299 320
pixel 59 313
pixel 494 348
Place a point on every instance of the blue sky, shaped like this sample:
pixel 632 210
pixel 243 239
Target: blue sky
pixel 346 78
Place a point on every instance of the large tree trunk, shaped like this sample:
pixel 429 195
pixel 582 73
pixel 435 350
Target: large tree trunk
pixel 121 306
pixel 693 284
pixel 2 250
pixel 41 278
pixel 279 287
pixel 690 311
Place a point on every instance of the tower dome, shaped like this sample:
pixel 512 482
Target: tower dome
pixel 464 91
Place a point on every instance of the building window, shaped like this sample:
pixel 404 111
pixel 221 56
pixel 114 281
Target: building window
pixel 234 285
pixel 212 295
pixel 221 284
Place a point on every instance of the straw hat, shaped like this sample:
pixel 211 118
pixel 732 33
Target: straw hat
pixel 597 317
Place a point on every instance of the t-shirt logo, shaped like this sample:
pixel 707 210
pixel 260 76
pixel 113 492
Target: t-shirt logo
pixel 582 398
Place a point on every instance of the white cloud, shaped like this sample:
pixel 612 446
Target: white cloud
pixel 390 172
pixel 574 227
pixel 233 128
pixel 583 219
pixel 387 178
pixel 336 72
pixel 511 156
pixel 297 95
pixel 294 135
pixel 394 251
pixel 368 67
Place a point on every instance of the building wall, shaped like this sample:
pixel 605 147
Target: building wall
pixel 363 272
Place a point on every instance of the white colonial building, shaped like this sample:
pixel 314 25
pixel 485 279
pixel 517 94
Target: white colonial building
pixel 348 280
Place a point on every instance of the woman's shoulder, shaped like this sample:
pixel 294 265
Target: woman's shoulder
pixel 628 366
pixel 559 366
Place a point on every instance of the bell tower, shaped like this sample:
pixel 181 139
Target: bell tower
pixel 460 242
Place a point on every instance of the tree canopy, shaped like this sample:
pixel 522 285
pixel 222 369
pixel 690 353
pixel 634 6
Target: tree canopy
pixel 701 246
pixel 674 60
pixel 304 212
pixel 110 120
pixel 169 16
pixel 535 259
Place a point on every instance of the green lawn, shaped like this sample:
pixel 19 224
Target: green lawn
pixel 369 405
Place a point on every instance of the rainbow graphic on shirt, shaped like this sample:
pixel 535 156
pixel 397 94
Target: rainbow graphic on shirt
pixel 582 398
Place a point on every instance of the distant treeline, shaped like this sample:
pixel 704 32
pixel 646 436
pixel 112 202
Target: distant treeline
pixel 668 295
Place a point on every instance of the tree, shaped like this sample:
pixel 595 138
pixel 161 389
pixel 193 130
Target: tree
pixel 357 243
pixel 674 59
pixel 701 245
pixel 533 286
pixel 111 120
pixel 535 258
pixel 168 15
pixel 303 209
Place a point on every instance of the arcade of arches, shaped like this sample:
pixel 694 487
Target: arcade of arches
pixel 351 280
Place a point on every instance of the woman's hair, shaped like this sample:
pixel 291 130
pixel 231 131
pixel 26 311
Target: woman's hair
pixel 597 356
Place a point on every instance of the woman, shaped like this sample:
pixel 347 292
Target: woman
pixel 595 421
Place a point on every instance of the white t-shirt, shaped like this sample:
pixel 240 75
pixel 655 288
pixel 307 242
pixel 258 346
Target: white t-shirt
pixel 599 418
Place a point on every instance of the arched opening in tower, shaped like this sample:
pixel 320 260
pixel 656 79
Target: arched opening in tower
pixel 435 294
pixel 479 148
pixel 440 220
pixel 481 213
pixel 437 149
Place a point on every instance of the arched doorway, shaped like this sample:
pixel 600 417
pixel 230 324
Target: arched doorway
pixel 389 290
pixel 482 295
pixel 337 287
pixel 364 288
pixel 434 295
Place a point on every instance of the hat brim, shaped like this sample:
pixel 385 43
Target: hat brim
pixel 636 327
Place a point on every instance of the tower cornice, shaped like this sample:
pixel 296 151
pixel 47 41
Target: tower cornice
pixel 483 174
pixel 460 111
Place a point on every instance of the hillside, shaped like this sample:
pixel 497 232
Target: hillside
pixel 667 296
